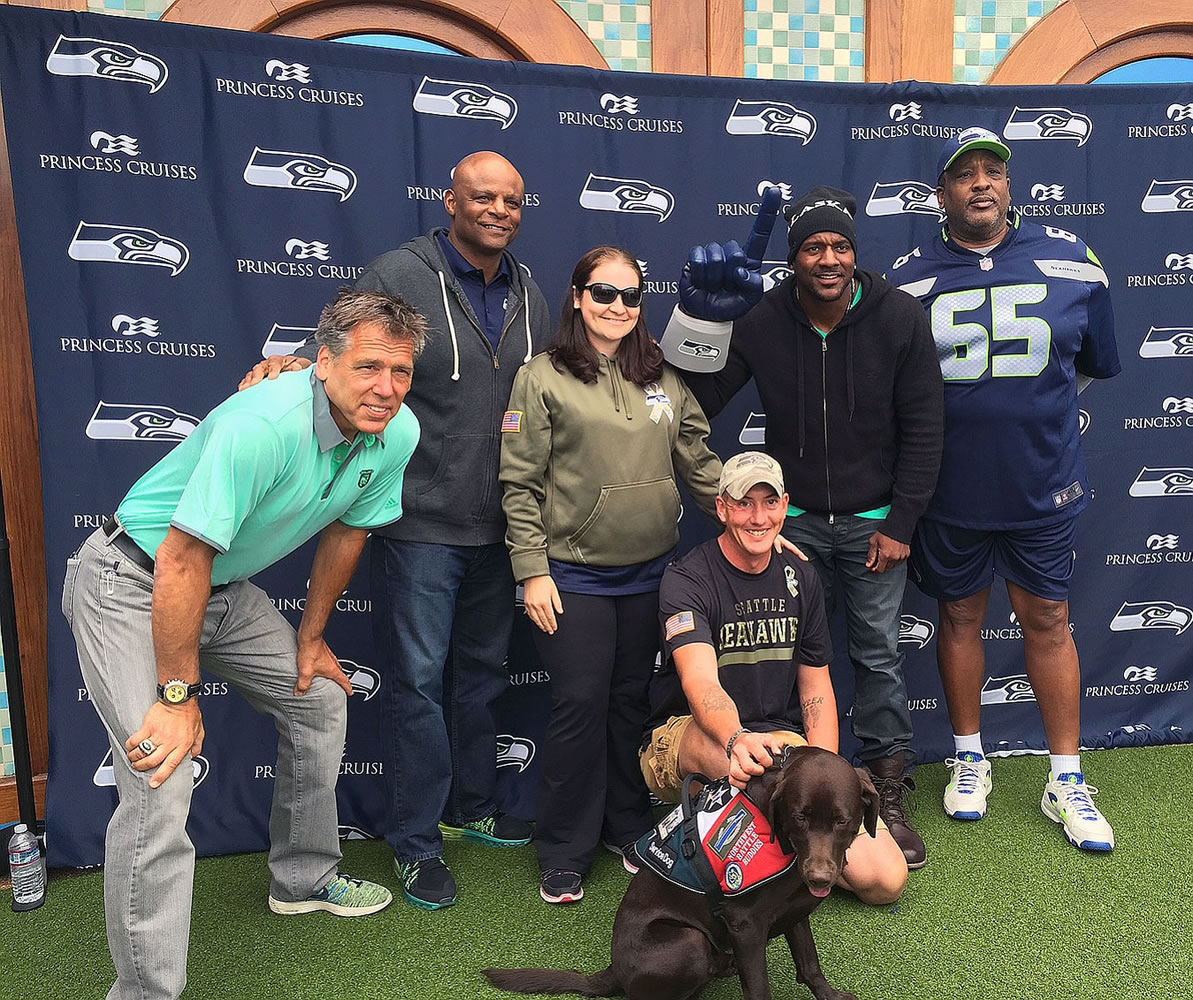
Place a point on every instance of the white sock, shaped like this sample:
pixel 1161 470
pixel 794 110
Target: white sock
pixel 970 744
pixel 1064 764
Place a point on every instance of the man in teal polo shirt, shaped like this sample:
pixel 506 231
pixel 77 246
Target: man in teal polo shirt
pixel 163 587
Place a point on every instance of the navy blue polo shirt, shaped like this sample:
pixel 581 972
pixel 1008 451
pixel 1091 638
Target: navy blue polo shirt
pixel 487 301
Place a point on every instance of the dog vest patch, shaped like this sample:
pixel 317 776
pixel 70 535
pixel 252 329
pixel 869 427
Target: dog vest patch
pixel 731 834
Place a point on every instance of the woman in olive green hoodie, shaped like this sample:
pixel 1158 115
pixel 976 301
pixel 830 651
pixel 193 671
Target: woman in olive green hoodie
pixel 597 429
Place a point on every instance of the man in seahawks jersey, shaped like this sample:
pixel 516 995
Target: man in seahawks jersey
pixel 1022 321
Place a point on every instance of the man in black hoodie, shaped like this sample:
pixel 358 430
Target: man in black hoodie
pixel 441 577
pixel 846 369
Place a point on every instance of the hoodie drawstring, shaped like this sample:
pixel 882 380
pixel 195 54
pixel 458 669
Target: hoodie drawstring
pixel 849 370
pixel 451 329
pixel 529 342
pixel 799 381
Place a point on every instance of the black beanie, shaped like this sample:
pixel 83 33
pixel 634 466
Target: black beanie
pixel 821 210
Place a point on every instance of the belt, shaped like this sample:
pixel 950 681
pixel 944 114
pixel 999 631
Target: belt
pixel 119 538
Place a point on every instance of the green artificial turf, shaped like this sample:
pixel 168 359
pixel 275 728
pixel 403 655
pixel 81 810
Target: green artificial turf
pixel 1004 910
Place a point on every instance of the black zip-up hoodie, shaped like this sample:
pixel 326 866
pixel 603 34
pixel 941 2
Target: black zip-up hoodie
pixel 856 418
pixel 460 390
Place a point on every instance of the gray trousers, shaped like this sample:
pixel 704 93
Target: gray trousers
pixel 149 860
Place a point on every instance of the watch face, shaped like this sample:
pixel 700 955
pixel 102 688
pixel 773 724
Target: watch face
pixel 175 693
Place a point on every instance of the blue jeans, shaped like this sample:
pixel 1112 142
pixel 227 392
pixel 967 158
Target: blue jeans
pixel 873 604
pixel 149 861
pixel 442 624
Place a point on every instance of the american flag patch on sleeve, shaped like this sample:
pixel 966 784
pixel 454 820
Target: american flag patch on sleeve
pixel 511 423
pixel 678 624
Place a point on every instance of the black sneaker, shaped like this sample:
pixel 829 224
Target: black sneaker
pixel 558 886
pixel 428 884
pixel 628 853
pixel 498 830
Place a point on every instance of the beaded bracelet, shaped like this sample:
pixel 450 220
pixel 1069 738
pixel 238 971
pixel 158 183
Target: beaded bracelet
pixel 732 740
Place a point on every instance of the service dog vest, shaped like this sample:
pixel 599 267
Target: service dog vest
pixel 720 844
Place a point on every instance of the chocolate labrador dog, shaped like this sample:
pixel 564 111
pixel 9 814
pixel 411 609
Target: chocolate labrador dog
pixel 667 942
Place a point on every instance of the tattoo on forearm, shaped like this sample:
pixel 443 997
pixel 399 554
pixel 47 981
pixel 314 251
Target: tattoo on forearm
pixel 717 701
pixel 812 709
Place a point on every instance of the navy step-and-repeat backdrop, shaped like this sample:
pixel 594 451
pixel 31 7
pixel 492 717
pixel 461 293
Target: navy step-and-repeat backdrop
pixel 187 200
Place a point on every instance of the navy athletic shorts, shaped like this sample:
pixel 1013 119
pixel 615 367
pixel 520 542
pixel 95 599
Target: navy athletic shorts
pixel 951 563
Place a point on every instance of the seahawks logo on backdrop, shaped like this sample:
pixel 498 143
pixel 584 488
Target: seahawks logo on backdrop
pixel 1138 615
pixel 1007 690
pixel 1167 342
pixel 274 168
pixel 1174 482
pixel 1168 196
pixel 365 681
pixel 139 422
pixel 514 751
pixel 773 272
pixel 915 631
pixel 106 60
pixel 771 118
pixel 626 194
pixel 127 245
pixel 1048 123
pixel 458 99
pixel 753 431
pixel 903 198
pixel 105 774
pixel 347 832
pixel 286 340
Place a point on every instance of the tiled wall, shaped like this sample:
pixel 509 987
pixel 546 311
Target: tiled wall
pixel 784 39
pixel 806 39
pixel 983 31
pixel 7 768
pixel 620 29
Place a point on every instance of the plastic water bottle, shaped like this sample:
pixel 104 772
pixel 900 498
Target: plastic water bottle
pixel 28 869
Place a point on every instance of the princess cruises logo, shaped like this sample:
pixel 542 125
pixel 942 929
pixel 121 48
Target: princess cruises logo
pixel 106 60
pixel 619 105
pixel 771 118
pixel 1048 192
pixel 1179 112
pixel 106 142
pixel 274 168
pixel 118 244
pixel 1048 123
pixel 903 198
pixel 905 112
pixel 302 250
pixel 460 99
pixel 285 72
pixel 626 194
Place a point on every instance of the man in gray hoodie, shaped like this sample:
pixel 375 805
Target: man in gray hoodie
pixel 441 578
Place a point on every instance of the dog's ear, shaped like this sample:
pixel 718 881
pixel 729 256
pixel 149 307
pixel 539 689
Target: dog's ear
pixel 774 812
pixel 869 801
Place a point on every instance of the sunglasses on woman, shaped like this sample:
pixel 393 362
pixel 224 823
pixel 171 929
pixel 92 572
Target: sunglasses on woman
pixel 603 294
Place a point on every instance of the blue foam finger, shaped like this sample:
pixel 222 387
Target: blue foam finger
pixel 764 223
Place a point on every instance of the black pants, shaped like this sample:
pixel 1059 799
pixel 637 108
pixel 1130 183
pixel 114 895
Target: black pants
pixel 600 660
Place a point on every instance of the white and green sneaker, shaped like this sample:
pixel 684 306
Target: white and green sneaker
pixel 1068 800
pixel 965 794
pixel 343 896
